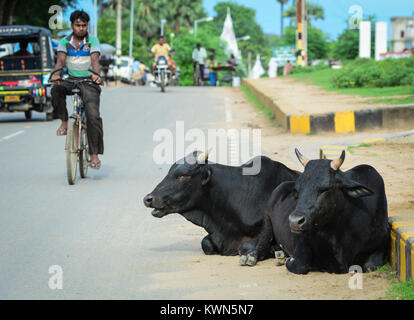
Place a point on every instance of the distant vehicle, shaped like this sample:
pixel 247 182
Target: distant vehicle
pixel 26 60
pixel 124 72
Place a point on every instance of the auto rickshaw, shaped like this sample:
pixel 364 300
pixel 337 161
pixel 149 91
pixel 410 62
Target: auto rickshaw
pixel 26 60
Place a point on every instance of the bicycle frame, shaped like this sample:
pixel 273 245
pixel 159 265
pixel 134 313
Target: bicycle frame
pixel 79 115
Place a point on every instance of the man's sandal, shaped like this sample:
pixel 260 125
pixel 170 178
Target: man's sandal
pixel 95 164
pixel 62 131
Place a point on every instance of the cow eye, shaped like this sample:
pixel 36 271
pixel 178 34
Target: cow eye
pixel 182 178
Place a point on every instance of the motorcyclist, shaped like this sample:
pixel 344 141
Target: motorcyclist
pixel 161 48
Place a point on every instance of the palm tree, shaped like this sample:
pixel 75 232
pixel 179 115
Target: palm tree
pixel 313 11
pixel 148 16
pixel 184 12
pixel 282 3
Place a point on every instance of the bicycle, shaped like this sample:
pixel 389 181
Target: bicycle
pixel 76 145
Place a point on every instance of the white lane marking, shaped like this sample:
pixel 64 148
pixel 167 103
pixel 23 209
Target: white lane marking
pixel 13 135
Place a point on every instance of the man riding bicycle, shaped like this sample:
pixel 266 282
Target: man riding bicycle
pixel 161 48
pixel 79 52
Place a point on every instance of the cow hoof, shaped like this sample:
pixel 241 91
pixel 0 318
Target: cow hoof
pixel 243 260
pixel 280 258
pixel 251 261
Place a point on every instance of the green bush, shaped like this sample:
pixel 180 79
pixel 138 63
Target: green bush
pixel 369 73
pixel 307 69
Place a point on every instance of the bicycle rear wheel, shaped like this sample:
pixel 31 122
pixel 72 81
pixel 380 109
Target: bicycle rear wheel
pixel 84 154
pixel 71 150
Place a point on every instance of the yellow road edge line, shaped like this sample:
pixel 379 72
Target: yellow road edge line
pixel 333 147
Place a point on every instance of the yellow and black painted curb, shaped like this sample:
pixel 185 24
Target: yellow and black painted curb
pixel 352 121
pixel 402 228
pixel 402 246
pixel 339 122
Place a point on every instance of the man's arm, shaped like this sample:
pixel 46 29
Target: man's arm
pixel 95 66
pixel 60 63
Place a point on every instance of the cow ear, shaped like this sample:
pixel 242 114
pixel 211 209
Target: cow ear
pixel 206 175
pixel 355 189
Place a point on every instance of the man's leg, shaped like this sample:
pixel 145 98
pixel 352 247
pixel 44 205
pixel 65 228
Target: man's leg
pixel 59 93
pixel 91 98
pixel 202 71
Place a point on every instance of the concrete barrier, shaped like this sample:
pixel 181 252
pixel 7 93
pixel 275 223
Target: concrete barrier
pixel 401 116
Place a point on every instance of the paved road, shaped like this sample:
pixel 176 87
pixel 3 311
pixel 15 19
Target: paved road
pixel 97 231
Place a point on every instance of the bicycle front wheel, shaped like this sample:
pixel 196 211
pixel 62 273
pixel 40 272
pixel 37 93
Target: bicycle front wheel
pixel 84 154
pixel 71 151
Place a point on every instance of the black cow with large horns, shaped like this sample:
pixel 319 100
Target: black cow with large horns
pixel 327 220
pixel 224 201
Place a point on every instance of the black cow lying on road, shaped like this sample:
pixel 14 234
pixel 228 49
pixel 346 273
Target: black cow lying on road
pixel 327 220
pixel 227 204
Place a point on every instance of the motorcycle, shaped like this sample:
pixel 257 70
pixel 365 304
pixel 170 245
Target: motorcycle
pixel 162 73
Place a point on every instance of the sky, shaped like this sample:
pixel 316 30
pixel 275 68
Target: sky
pixel 336 12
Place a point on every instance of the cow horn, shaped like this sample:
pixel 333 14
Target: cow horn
pixel 303 160
pixel 202 157
pixel 335 164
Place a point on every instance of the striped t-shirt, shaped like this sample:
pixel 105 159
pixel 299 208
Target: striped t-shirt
pixel 78 61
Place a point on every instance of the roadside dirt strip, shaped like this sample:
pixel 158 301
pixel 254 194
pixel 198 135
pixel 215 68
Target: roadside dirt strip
pixel 302 108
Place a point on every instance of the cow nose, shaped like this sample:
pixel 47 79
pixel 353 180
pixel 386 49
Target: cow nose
pixel 148 200
pixel 297 222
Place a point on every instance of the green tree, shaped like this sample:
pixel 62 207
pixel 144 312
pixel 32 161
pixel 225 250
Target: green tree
pixel 184 46
pixel 347 45
pixel 184 13
pixel 318 46
pixel 313 11
pixel 244 24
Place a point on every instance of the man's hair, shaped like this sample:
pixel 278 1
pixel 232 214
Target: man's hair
pixel 79 14
pixel 198 44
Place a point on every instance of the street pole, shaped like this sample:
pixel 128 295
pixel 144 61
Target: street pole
pixel 95 13
pixel 118 37
pixel 200 20
pixel 131 29
pixel 305 33
pixel 163 21
pixel 281 18
pixel 301 58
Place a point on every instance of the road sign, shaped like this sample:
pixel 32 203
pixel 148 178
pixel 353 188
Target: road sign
pixel 284 54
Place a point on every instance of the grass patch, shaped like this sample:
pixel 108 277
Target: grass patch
pixel 351 149
pixel 397 290
pixel 392 101
pixel 251 97
pixel 402 290
pixel 256 103
pixel 323 79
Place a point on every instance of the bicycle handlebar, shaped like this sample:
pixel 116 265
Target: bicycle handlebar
pixel 75 81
